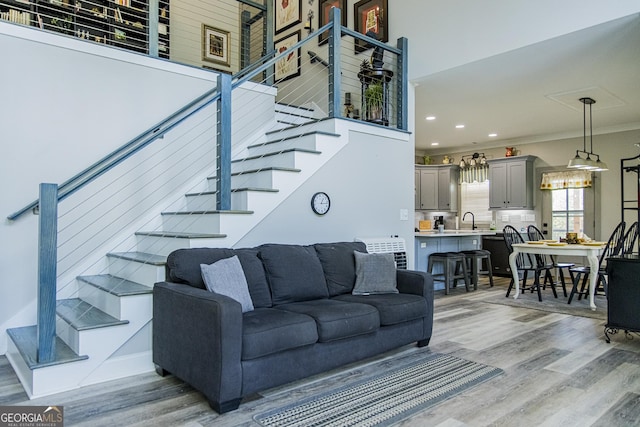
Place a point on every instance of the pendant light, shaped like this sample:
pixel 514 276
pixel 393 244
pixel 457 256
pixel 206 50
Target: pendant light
pixel 588 163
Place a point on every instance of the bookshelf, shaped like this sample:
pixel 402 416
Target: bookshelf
pixel 119 23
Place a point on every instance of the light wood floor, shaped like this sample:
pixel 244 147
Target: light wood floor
pixel 558 371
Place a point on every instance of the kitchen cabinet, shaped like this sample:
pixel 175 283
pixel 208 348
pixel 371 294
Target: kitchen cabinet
pixel 437 187
pixel 511 183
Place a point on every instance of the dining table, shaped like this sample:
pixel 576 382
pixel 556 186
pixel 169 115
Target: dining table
pixel 588 250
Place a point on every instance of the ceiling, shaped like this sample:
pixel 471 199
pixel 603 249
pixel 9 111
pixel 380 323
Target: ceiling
pixel 532 94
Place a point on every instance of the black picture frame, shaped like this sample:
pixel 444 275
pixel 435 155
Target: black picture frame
pixel 371 15
pixel 284 68
pixel 287 13
pixel 324 7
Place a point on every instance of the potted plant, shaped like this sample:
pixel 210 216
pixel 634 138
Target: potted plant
pixel 373 100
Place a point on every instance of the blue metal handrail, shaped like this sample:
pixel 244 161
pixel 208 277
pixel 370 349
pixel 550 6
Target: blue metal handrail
pixel 117 156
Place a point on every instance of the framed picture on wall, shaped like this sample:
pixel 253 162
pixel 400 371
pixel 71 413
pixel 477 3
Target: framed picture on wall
pixel 289 66
pixel 371 15
pixel 215 45
pixel 287 14
pixel 324 7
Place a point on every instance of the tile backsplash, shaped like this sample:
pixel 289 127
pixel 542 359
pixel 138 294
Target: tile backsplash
pixel 519 219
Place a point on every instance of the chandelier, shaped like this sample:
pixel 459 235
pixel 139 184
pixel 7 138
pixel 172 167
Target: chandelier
pixel 587 163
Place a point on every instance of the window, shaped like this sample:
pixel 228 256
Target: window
pixel 474 197
pixel 567 212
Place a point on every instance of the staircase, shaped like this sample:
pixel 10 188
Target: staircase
pixel 104 332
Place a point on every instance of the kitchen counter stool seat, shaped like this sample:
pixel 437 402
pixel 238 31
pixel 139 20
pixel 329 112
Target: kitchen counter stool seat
pixel 454 268
pixel 474 259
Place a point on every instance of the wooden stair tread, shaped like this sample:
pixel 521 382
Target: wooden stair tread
pixel 140 257
pixel 26 341
pixel 180 235
pixel 83 316
pixel 205 212
pixel 234 190
pixel 275 153
pixel 116 285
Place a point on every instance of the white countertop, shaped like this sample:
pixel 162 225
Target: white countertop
pixel 455 233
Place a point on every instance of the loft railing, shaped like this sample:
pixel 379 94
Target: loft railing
pixel 344 80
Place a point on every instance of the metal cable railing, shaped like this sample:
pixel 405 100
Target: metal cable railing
pixel 158 190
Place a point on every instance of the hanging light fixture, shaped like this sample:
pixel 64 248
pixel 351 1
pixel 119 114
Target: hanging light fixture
pixel 473 160
pixel 587 163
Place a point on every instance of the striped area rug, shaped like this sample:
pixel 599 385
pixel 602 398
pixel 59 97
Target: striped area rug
pixel 386 398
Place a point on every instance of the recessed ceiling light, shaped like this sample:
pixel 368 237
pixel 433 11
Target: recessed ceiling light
pixel 491 135
pixel 430 117
pixel 459 126
pixel 435 143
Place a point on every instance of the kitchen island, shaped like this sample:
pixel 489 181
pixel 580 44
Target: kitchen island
pixel 428 242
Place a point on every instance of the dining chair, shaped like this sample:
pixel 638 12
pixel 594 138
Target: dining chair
pixel 614 247
pixel 534 233
pixel 630 239
pixel 526 263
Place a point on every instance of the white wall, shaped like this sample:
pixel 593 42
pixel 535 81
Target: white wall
pixel 65 104
pixel 368 188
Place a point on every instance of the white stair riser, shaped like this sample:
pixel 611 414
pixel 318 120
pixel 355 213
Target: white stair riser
pixel 292 119
pixel 101 299
pixel 146 274
pixel 307 142
pixel 165 245
pixel 324 125
pixel 263 179
pixel 283 160
pixel 284 109
pixel 240 201
pixel 101 342
pixel 203 223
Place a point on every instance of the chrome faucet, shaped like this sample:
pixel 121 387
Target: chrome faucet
pixel 473 220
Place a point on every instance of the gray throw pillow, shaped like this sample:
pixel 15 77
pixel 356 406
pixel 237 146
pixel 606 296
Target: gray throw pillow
pixel 226 277
pixel 375 274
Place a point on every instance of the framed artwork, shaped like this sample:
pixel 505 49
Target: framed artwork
pixel 289 66
pixel 215 45
pixel 324 7
pixel 371 15
pixel 287 14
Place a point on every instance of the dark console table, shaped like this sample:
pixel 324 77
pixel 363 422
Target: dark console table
pixel 623 295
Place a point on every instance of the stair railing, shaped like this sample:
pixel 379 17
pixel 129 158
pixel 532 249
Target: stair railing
pixel 340 65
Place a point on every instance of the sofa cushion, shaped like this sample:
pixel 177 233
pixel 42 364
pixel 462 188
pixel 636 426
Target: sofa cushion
pixel 337 319
pixel 294 273
pixel 392 308
pixel 375 274
pixel 338 264
pixel 267 330
pixel 183 266
pixel 225 277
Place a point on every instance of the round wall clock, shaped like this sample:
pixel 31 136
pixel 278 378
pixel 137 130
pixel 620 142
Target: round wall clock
pixel 320 203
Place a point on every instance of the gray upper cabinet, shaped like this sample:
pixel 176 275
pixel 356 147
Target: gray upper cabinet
pixel 511 183
pixel 437 187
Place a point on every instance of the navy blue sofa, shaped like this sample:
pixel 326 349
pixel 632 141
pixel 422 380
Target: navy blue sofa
pixel 305 319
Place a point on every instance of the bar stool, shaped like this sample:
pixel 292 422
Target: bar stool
pixel 454 268
pixel 475 257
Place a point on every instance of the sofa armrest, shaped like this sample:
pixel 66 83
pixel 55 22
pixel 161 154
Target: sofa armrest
pixel 415 282
pixel 419 283
pixel 197 336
